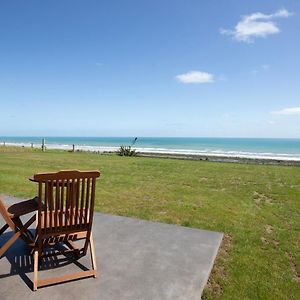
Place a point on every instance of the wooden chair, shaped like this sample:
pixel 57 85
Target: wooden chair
pixel 65 215
pixel 11 215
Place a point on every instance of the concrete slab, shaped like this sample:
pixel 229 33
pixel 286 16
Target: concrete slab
pixel 136 260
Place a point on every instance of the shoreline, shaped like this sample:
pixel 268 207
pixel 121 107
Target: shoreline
pixel 225 159
pixel 171 154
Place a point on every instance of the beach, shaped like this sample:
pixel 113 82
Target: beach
pixel 242 150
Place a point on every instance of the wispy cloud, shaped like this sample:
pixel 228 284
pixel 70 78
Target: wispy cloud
pixel 287 111
pixel 195 77
pixel 264 68
pixel 256 25
pixel 222 77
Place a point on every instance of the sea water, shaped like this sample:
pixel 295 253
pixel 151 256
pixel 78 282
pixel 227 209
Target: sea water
pixel 269 148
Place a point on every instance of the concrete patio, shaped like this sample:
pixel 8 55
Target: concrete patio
pixel 136 260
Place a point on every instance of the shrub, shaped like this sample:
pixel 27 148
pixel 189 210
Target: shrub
pixel 126 151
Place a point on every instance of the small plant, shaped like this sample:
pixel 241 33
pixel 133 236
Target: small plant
pixel 126 150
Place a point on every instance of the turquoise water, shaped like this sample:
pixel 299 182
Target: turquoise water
pixel 242 147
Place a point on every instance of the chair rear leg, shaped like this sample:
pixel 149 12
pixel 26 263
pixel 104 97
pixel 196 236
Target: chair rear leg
pixel 35 269
pixel 93 256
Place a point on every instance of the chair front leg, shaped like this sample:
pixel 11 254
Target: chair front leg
pixel 18 234
pixel 2 230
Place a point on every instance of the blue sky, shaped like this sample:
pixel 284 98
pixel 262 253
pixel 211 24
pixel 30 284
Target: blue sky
pixel 150 68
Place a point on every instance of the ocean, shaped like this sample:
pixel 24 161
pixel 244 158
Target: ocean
pixel 268 148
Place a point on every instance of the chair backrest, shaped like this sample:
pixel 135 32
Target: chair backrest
pixel 66 202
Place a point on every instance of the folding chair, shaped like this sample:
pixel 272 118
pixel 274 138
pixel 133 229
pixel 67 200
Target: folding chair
pixel 65 215
pixel 11 215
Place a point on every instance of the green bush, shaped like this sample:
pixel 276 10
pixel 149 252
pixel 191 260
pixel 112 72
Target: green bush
pixel 126 151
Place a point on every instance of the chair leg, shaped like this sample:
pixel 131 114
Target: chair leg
pixel 35 269
pixel 27 236
pixel 2 230
pixel 4 247
pixel 18 234
pixel 93 257
pixel 9 243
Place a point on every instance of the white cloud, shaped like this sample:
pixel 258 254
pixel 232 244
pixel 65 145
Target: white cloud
pixel 222 77
pixel 195 77
pixel 264 68
pixel 256 25
pixel 287 111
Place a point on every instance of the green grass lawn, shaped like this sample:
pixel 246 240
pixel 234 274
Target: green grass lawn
pixel 256 206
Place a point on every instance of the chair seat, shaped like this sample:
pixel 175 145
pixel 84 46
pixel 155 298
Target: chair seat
pixel 22 208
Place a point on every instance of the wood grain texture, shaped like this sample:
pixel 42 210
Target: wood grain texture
pixel 65 214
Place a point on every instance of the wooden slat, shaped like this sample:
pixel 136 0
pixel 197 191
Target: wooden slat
pixel 46 204
pixel 72 190
pixel 65 278
pixel 71 174
pixel 61 206
pixel 77 202
pixel 67 206
pixel 50 196
pixel 92 205
pixel 87 201
pixel 82 202
pixel 80 233
pixel 57 194
pixel 39 215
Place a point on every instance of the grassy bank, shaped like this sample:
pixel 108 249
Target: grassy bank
pixel 256 206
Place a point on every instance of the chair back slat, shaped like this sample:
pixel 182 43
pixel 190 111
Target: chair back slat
pixel 51 206
pixel 66 201
pixel 40 208
pixel 57 202
pixel 82 202
pixel 61 206
pixel 93 189
pixel 73 201
pixel 46 202
pixel 86 209
pixel 76 219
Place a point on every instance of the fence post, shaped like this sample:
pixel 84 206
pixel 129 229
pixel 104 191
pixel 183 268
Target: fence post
pixel 43 144
pixel 73 148
pixel 31 145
